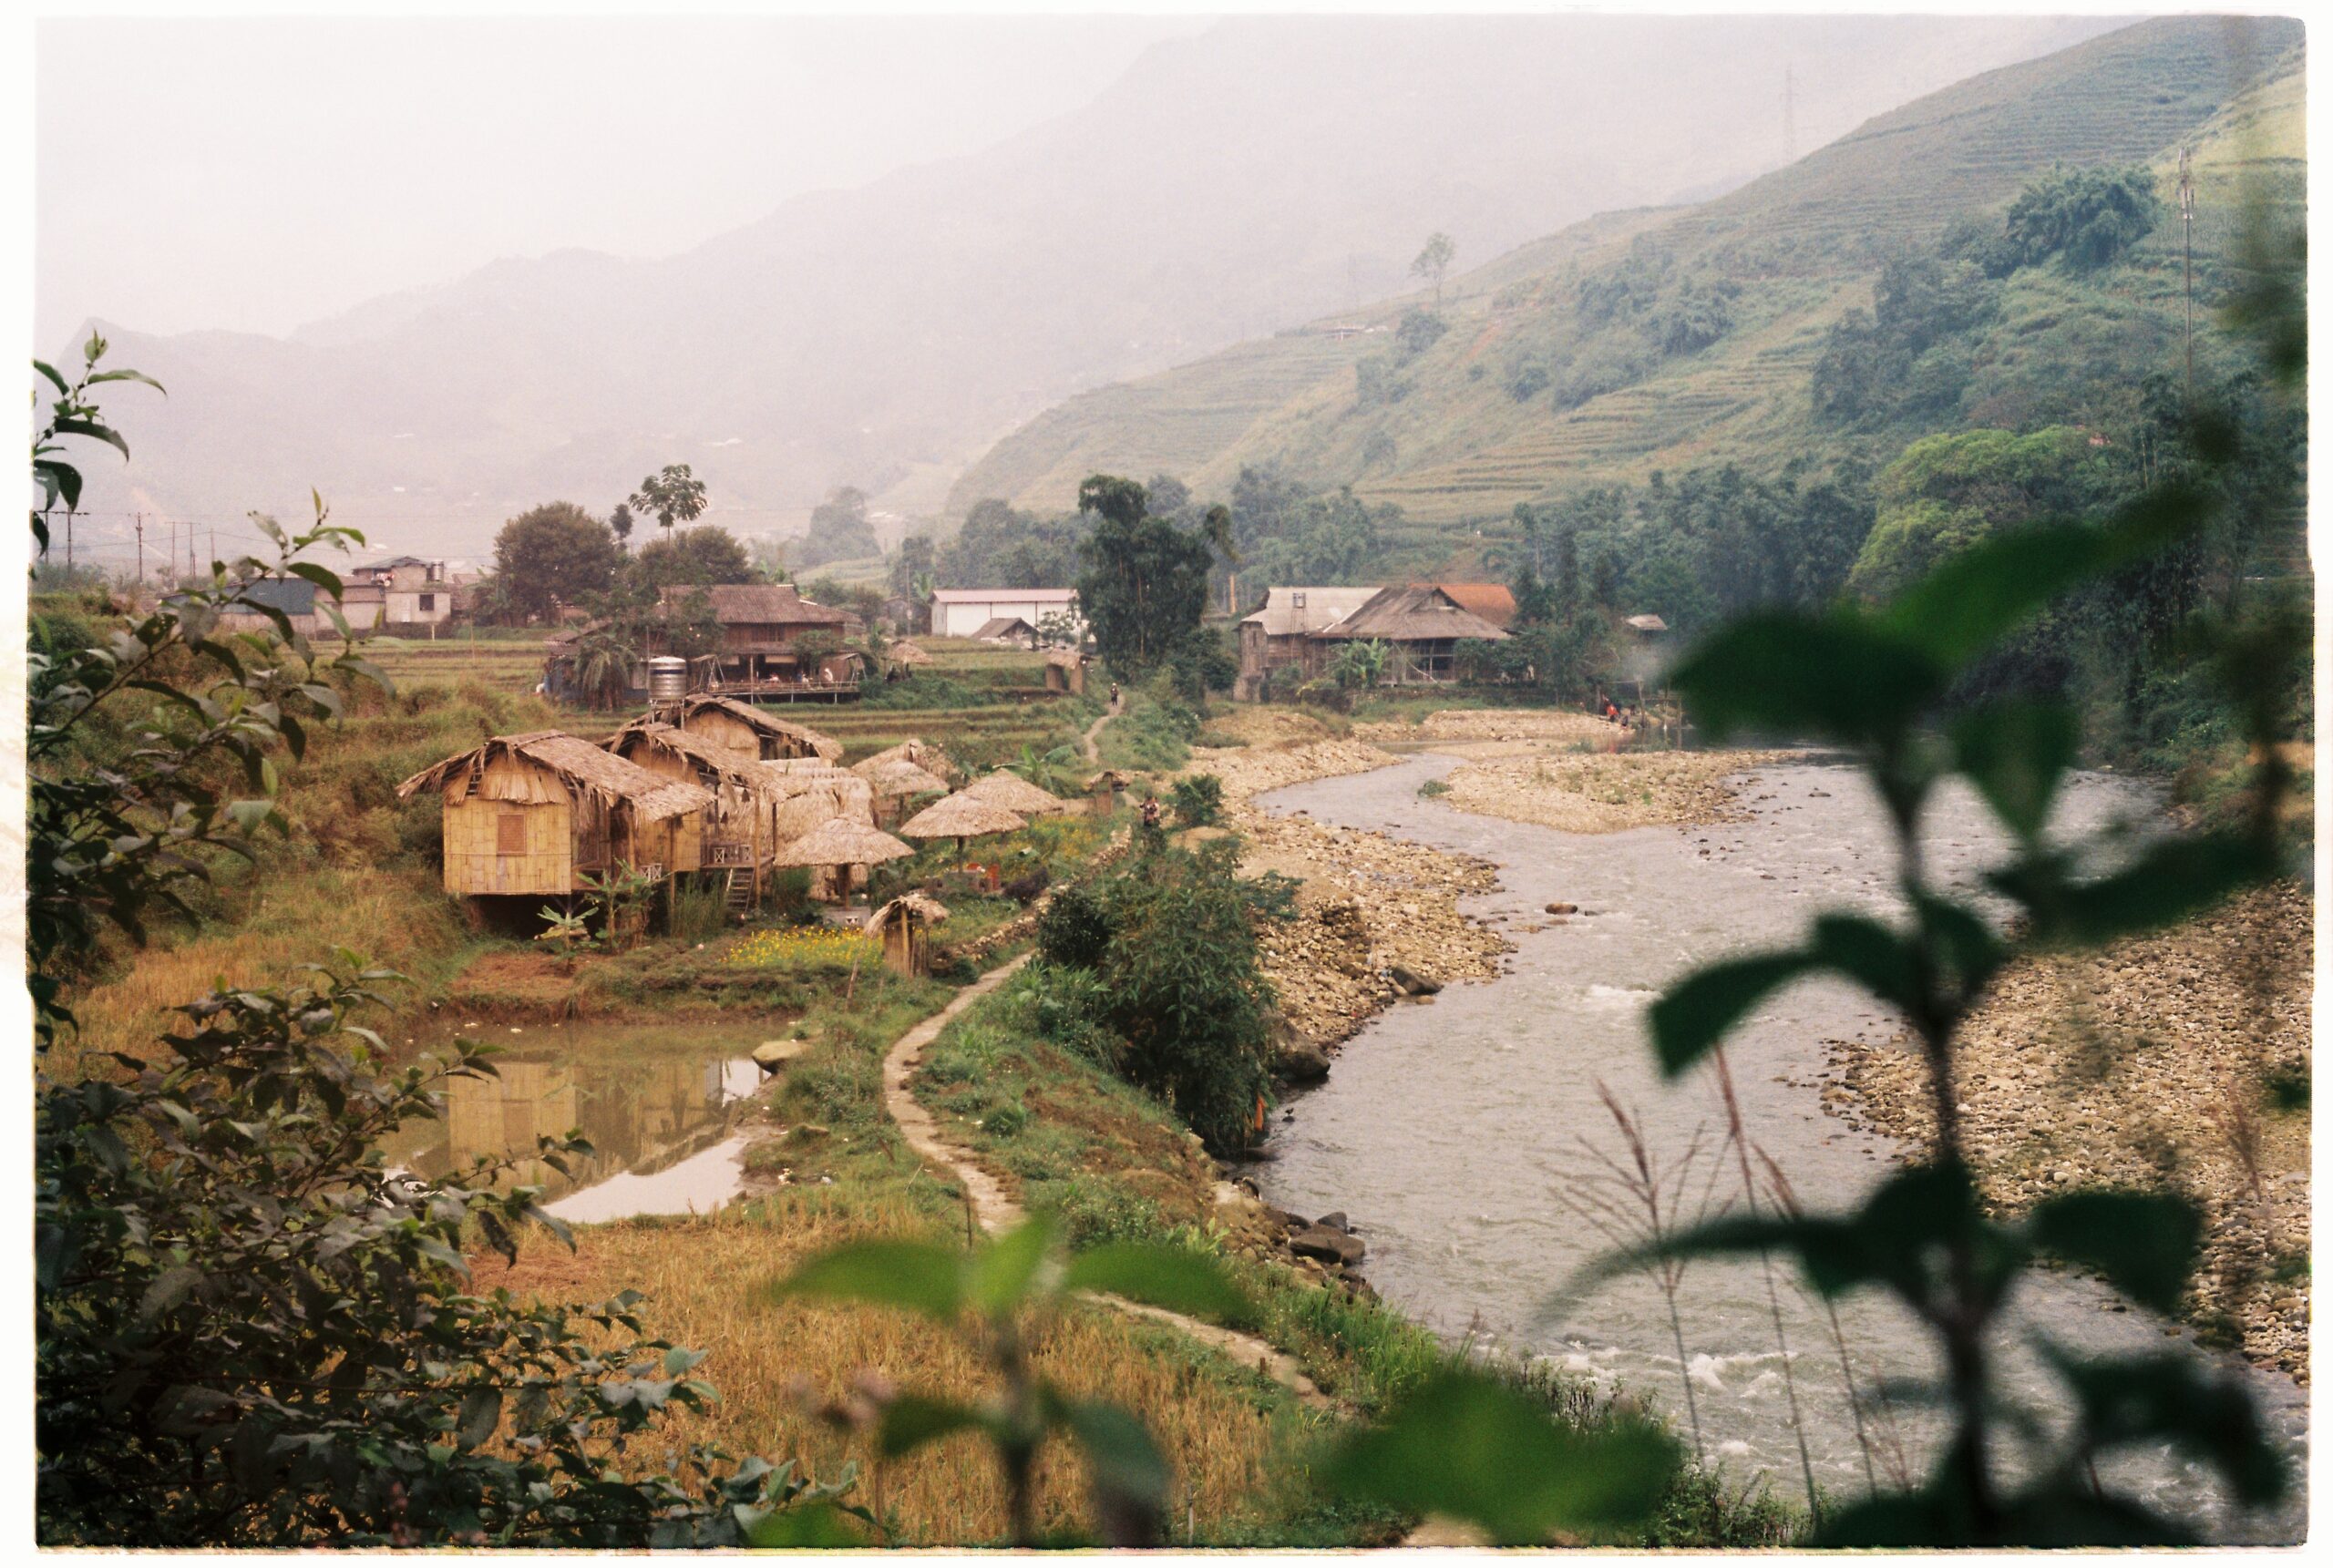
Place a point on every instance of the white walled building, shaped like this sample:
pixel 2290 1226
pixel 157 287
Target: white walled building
pixel 962 611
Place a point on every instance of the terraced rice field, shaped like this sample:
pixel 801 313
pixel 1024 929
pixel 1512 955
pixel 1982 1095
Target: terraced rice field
pixel 501 666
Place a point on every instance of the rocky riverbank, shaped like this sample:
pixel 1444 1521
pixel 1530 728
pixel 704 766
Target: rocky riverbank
pixel 1378 919
pixel 2159 1060
pixel 1589 793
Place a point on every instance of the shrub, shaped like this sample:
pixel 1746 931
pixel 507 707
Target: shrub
pixel 1074 929
pixel 1198 800
pixel 1186 993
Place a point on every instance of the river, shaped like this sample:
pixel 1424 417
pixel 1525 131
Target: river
pixel 1452 1131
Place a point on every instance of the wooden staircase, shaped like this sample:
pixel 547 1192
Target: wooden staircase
pixel 738 898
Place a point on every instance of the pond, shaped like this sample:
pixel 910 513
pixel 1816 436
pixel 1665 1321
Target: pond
pixel 660 1104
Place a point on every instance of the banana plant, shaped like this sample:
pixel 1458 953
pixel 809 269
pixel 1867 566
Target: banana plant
pixel 993 1295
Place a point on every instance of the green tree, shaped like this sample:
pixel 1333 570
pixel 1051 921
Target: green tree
pixel 917 561
pixel 1144 590
pixel 702 556
pixel 2088 217
pixel 839 530
pixel 1434 261
pixel 554 555
pixel 673 496
pixel 620 523
pixel 1950 491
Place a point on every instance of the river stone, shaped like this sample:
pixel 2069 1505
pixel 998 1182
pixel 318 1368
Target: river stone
pixel 772 1055
pixel 1327 1245
pixel 1335 1221
pixel 1300 1061
pixel 1563 908
pixel 1411 982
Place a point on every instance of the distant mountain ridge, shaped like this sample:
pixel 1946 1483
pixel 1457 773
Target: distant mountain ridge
pixel 1257 174
pixel 1459 432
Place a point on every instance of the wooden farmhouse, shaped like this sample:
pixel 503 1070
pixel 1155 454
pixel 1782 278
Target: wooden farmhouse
pixel 1280 635
pixel 529 815
pixel 740 728
pixel 740 832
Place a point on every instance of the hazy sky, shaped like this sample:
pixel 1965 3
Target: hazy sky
pixel 258 174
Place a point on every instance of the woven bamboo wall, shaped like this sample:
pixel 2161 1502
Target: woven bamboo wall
pixel 501 846
pixel 727 731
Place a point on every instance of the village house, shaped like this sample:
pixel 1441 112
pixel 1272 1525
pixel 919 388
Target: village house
pixel 746 731
pixel 774 645
pixel 740 832
pixel 1421 624
pixel 1010 630
pixel 416 594
pixel 532 815
pixel 962 611
pixel 1279 635
pixel 294 597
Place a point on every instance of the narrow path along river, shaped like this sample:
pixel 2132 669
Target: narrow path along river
pixel 1451 1131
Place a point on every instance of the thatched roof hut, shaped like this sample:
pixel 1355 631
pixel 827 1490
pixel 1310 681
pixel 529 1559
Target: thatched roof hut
pixel 922 753
pixel 533 814
pixel 907 654
pixel 759 733
pixel 903 925
pixel 841 845
pixel 1014 793
pixel 896 777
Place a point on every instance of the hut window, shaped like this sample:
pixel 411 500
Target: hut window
pixel 510 832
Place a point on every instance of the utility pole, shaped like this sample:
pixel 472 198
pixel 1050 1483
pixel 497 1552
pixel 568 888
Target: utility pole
pixel 141 548
pixel 2187 260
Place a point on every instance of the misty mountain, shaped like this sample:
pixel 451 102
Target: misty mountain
pixel 1261 173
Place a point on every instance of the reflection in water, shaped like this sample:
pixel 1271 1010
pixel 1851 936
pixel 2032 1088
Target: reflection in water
pixel 645 1105
pixel 1450 1132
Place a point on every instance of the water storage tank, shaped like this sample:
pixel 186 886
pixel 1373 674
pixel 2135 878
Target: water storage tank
pixel 668 679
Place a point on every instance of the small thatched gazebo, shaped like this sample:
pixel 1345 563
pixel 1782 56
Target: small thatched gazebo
pixel 1014 793
pixel 896 782
pixel 904 928
pixel 906 656
pixel 843 843
pixel 961 817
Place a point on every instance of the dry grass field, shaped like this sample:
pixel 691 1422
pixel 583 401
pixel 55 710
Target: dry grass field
pixel 707 1281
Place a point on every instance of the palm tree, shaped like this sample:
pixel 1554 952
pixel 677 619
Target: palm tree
pixel 603 661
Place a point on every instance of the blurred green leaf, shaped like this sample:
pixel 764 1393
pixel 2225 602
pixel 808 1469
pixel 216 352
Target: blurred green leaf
pixel 1871 955
pixel 920 1278
pixel 999 1276
pixel 2169 880
pixel 912 1420
pixel 2169 1397
pixel 1469 1448
pixel 2144 1242
pixel 2016 753
pixel 1836 676
pixel 1130 1475
pixel 1179 1281
pixel 1700 1008
pixel 1972 600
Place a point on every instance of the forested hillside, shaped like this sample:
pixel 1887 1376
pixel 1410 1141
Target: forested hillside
pixel 1728 332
